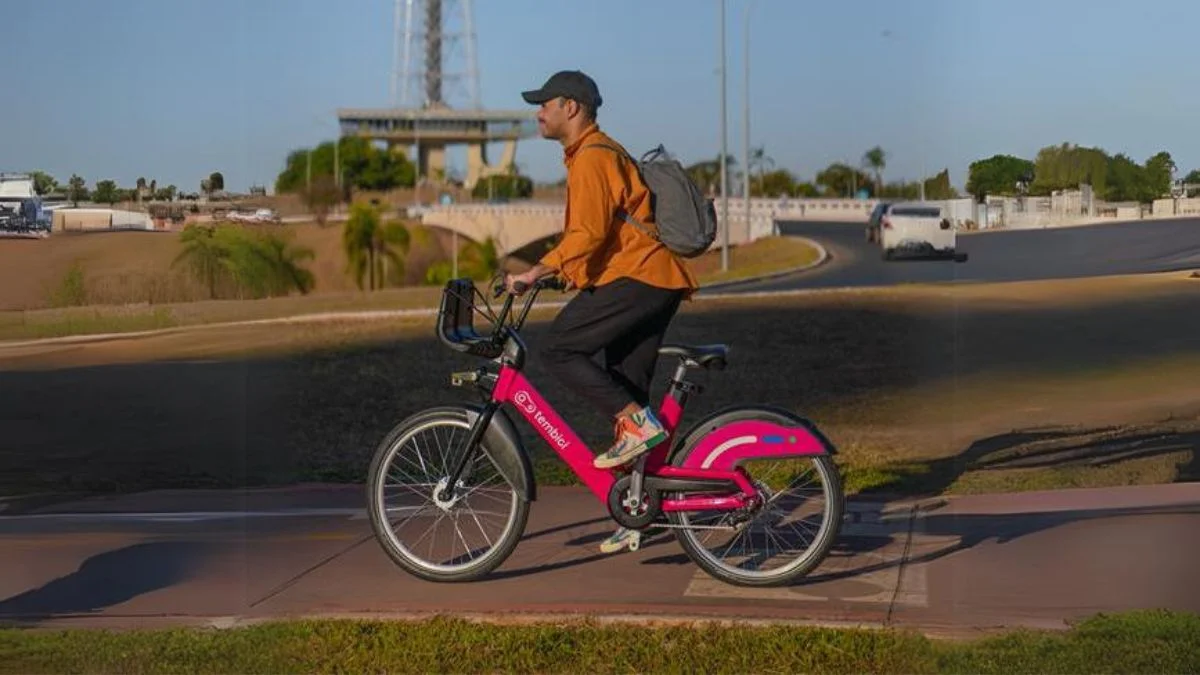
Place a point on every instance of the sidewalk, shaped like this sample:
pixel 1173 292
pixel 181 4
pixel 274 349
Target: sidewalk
pixel 952 567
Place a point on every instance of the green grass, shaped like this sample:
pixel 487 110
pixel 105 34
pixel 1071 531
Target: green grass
pixel 83 321
pixel 1139 642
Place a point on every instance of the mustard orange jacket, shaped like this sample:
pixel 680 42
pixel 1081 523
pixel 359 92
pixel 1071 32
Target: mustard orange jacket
pixel 598 246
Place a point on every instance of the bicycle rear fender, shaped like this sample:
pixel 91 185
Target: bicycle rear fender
pixel 728 437
pixel 510 457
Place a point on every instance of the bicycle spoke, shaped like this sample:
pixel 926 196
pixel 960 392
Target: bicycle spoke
pixel 443 535
pixel 779 537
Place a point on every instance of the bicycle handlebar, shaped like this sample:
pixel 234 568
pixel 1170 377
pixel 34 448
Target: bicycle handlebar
pixel 549 282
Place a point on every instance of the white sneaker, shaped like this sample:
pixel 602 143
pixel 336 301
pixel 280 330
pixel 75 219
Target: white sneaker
pixel 636 435
pixel 620 539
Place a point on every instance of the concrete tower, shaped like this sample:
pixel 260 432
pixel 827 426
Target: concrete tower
pixel 433 33
pixel 435 94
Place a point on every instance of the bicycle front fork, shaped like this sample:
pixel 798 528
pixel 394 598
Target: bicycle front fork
pixel 478 429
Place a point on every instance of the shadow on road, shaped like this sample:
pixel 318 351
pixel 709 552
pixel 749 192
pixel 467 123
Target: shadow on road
pixel 318 415
pixel 962 532
pixel 109 579
pixel 1058 447
pixel 971 530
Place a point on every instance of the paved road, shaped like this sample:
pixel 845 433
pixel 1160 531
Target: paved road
pixel 1094 250
pixel 960 566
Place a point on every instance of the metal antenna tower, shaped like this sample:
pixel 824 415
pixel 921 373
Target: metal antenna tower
pixel 443 33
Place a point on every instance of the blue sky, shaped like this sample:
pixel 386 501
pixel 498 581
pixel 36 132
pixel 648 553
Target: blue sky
pixel 174 90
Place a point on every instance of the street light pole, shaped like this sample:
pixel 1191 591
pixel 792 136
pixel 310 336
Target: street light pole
pixel 746 117
pixel 724 153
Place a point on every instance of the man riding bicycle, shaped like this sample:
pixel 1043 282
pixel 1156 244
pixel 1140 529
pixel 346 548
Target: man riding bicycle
pixel 630 285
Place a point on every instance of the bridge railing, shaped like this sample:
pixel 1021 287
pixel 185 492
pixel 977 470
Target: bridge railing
pixel 812 208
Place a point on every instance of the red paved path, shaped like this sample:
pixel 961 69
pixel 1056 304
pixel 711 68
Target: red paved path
pixel 961 565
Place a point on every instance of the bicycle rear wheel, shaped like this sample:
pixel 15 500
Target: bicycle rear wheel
pixel 781 542
pixel 404 513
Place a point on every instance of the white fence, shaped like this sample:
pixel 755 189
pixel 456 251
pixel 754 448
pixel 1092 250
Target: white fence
pixel 1061 209
pixel 95 220
pixel 959 211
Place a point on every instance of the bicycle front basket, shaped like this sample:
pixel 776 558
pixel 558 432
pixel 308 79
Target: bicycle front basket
pixel 456 321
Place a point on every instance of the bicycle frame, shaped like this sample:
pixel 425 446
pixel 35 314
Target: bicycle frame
pixel 513 388
pixel 713 460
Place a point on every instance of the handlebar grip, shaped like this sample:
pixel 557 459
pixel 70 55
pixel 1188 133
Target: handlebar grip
pixel 520 286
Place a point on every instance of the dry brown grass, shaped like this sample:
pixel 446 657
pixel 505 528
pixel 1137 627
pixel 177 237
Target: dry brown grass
pixel 336 295
pixel 135 267
pixel 764 256
pixel 924 390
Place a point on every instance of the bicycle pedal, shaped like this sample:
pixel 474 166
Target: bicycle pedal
pixel 465 377
pixel 635 541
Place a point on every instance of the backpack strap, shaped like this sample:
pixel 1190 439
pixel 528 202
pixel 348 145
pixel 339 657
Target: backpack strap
pixel 625 216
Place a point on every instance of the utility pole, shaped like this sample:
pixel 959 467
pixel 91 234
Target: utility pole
pixel 724 153
pixel 746 117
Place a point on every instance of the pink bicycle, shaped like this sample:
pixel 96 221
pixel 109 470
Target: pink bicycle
pixel 467 455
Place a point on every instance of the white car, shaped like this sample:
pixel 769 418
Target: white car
pixel 267 216
pixel 258 216
pixel 916 228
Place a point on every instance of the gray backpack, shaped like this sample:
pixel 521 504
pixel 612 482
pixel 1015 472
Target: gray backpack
pixel 687 221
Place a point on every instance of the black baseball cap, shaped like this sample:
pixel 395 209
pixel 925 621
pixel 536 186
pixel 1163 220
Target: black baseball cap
pixel 572 84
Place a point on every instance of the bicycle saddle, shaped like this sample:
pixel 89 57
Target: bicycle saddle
pixel 698 356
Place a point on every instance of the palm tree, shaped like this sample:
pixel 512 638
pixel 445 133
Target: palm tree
pixel 374 250
pixel 759 163
pixel 707 173
pixel 204 254
pixel 876 160
pixel 283 262
pixel 479 261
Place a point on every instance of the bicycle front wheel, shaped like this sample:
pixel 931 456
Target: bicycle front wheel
pixel 460 539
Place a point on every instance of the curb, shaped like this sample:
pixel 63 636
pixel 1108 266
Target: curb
pixel 295 318
pixel 822 258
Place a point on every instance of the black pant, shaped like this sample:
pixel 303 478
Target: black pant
pixel 627 319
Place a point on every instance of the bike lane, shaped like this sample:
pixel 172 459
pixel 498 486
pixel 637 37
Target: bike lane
pixel 957 566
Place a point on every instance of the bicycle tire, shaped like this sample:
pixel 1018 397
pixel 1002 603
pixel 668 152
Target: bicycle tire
pixel 499 552
pixel 813 555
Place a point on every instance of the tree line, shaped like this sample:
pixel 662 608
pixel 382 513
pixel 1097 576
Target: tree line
pixel 361 165
pixel 109 192
pixel 839 179
pixel 1114 178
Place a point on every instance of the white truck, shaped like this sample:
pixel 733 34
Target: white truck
pixel 21 210
pixel 916 229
